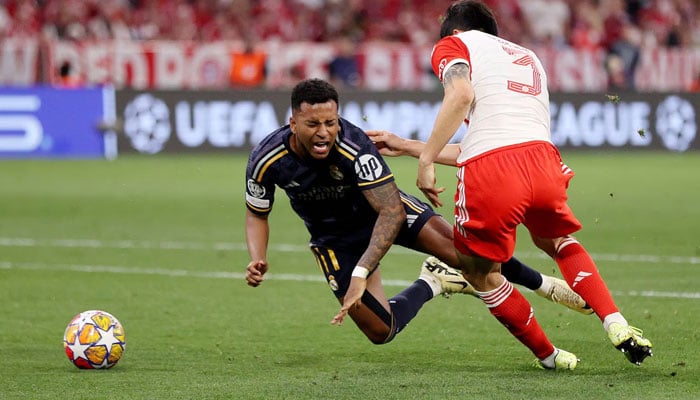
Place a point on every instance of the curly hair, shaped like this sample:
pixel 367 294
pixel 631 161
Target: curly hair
pixel 313 91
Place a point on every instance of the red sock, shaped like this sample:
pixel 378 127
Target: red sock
pixel 513 310
pixel 580 272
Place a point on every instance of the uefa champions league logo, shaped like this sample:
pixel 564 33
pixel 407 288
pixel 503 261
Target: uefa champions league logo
pixel 675 123
pixel 256 190
pixel 147 123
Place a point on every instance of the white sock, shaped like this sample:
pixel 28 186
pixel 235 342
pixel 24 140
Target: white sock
pixel 614 318
pixel 546 285
pixel 549 360
pixel 433 283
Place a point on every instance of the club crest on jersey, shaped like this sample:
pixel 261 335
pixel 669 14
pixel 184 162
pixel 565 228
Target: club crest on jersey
pixel 255 189
pixel 336 173
pixel 332 283
pixel 368 167
pixel 441 68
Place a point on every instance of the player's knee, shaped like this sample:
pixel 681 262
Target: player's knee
pixel 380 341
pixel 546 244
pixel 376 340
pixel 379 336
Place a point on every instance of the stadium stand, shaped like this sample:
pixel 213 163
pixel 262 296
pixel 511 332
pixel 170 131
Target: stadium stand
pixel 619 27
pixel 578 23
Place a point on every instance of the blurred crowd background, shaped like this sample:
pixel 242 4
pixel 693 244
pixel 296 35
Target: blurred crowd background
pixel 576 23
pixel 619 27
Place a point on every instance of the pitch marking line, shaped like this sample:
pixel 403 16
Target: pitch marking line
pixel 5 265
pixel 175 245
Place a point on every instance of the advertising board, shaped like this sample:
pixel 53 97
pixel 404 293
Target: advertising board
pixel 47 122
pixel 203 121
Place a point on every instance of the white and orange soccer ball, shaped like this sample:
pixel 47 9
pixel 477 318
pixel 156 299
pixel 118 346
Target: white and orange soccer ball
pixel 94 339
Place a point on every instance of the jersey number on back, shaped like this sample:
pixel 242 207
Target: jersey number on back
pixel 526 61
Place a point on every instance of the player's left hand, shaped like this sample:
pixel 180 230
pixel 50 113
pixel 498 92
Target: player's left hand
pixel 352 299
pixel 254 272
pixel 426 183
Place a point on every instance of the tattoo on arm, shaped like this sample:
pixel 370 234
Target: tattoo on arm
pixel 386 200
pixel 459 70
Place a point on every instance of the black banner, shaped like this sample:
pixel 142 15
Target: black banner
pixel 208 121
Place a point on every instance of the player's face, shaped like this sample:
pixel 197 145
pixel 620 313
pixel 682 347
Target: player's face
pixel 314 129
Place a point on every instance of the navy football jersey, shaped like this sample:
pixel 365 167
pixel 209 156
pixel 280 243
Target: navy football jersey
pixel 326 194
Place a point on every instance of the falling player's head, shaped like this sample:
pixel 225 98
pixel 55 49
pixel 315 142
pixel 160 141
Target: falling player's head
pixel 314 122
pixel 313 91
pixel 467 15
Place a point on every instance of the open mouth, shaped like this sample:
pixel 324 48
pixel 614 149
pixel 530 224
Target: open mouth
pixel 321 147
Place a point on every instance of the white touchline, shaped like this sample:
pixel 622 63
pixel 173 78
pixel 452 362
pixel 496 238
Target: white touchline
pixel 294 248
pixel 114 269
pixel 230 246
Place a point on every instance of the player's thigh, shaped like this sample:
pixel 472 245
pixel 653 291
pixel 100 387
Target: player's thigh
pixel 437 238
pixel 551 223
pixel 426 231
pixel 486 218
pixel 549 215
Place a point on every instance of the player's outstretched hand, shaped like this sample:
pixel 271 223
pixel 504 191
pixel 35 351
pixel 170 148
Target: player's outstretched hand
pixel 254 272
pixel 352 299
pixel 388 144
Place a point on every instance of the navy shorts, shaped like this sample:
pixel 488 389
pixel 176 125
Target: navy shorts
pixel 337 265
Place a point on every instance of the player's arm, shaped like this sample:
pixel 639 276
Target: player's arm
pixel 257 235
pixel 386 202
pixel 456 102
pixel 393 145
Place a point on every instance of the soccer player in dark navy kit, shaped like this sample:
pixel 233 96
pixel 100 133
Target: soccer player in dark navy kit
pixel 345 193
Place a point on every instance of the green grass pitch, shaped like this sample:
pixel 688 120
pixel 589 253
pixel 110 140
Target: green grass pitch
pixel 159 243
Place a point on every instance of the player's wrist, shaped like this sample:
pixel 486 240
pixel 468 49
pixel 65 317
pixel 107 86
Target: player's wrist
pixel 360 272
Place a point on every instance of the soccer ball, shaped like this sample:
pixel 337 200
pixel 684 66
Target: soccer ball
pixel 94 339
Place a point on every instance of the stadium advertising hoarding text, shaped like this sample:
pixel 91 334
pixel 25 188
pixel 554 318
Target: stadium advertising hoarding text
pixel 55 123
pixel 166 65
pixel 383 65
pixel 201 121
pixel 63 123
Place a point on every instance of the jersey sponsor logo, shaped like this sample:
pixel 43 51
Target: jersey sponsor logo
pixel 255 189
pixel 368 167
pixel 317 193
pixel 336 173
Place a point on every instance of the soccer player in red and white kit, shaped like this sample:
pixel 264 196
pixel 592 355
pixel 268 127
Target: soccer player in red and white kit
pixel 509 173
